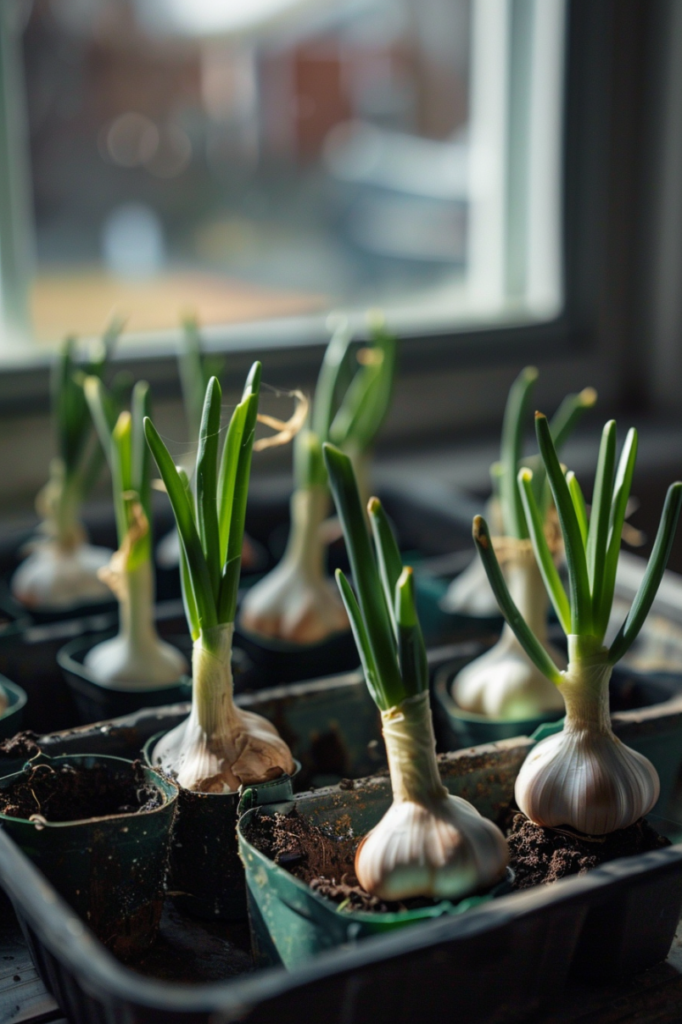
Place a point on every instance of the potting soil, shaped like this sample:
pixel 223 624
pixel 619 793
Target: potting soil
pixel 540 856
pixel 71 793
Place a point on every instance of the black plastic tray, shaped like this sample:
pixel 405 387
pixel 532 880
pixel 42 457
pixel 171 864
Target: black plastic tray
pixel 502 961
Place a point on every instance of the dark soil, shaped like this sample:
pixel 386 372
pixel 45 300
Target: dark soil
pixel 540 856
pixel 74 794
pixel 22 745
pixel 322 859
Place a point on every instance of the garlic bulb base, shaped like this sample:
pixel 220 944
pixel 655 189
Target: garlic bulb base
pixel 55 579
pixel 296 602
pixel 584 776
pixel 220 747
pixel 428 843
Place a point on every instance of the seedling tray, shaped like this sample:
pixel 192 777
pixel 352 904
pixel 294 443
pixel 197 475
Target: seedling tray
pixel 503 960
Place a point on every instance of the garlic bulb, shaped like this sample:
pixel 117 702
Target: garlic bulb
pixel 504 683
pixel 296 601
pixel 54 578
pixel 136 657
pixel 470 593
pixel 584 776
pixel 219 747
pixel 428 843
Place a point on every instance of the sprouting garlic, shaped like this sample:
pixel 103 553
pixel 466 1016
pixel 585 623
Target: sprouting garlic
pixel 296 601
pixel 504 683
pixel 428 843
pixel 584 776
pixel 136 657
pixel 220 747
pixel 53 578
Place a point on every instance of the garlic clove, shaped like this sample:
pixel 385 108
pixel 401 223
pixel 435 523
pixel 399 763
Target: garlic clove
pixel 504 684
pixel 445 850
pixel 589 781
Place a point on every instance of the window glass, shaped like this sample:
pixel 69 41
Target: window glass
pixel 268 158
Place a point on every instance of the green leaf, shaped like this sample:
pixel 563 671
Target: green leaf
pixel 569 413
pixel 227 601
pixel 581 602
pixel 207 483
pixel 543 556
pixel 188 598
pixel 531 645
pixel 414 667
pixel 388 555
pixel 578 500
pixel 193 376
pixel 653 575
pixel 371 598
pixel 334 362
pixel 361 641
pixel 512 449
pixel 121 464
pixel 597 536
pixel 621 493
pixel 141 466
pixel 309 468
pixel 229 463
pixel 189 538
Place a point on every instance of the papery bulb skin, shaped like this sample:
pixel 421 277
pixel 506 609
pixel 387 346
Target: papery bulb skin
pixel 136 658
pixel 296 602
pixel 504 683
pixel 220 747
pixel 584 776
pixel 53 578
pixel 428 843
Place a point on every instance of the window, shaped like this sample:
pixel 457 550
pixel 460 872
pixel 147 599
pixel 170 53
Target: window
pixel 275 158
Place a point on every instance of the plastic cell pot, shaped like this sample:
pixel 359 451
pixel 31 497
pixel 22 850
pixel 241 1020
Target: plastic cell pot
pixel 11 718
pixel 278 661
pixel 95 702
pixel 290 922
pixel 111 869
pixel 206 876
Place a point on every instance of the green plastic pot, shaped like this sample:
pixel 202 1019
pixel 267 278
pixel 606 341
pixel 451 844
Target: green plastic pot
pixel 289 922
pixel 457 728
pixel 110 869
pixel 206 876
pixel 11 718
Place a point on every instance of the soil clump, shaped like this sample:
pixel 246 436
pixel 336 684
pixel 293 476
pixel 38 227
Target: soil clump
pixel 540 856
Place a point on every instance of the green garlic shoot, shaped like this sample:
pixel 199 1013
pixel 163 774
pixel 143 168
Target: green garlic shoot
pixel 218 747
pixel 583 776
pixel 297 602
pixel 503 683
pixel 428 843
pixel 62 570
pixel 136 658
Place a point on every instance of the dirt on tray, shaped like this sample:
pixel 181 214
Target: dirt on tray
pixel 71 793
pixel 22 745
pixel 322 859
pixel 540 856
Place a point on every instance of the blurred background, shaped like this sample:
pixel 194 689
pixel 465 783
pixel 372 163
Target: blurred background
pixel 500 176
pixel 276 157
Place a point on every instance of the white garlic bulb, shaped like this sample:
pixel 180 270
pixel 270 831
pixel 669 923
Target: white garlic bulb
pixel 296 601
pixel 504 683
pixel 428 843
pixel 220 747
pixel 470 593
pixel 54 578
pixel 584 776
pixel 136 657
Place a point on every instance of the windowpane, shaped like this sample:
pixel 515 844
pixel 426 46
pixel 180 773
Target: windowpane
pixel 266 158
